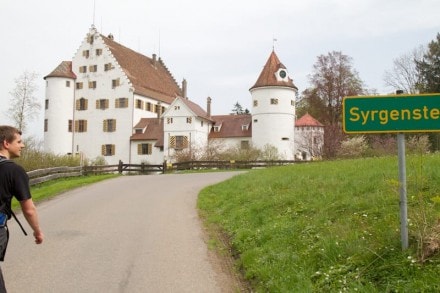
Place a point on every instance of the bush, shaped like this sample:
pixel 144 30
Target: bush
pixel 353 147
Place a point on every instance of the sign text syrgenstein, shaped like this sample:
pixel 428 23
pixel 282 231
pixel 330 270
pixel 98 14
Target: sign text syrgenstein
pixel 393 113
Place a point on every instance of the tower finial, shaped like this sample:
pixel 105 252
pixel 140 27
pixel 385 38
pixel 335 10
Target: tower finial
pixel 273 43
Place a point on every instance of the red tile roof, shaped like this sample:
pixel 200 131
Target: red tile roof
pixel 63 70
pixel 149 76
pixel 196 109
pixel 231 126
pixel 307 120
pixel 153 130
pixel 267 76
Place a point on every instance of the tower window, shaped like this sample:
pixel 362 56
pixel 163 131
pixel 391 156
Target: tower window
pixel 274 101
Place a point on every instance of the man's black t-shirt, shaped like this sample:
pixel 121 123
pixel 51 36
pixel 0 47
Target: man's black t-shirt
pixel 14 181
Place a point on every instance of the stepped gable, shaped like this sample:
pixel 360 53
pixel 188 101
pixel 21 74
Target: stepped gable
pixel 267 76
pixel 231 126
pixel 63 70
pixel 196 109
pixel 153 130
pixel 307 120
pixel 149 76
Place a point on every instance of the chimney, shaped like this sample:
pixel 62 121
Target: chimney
pixel 208 106
pixel 184 86
pixel 158 109
pixel 154 60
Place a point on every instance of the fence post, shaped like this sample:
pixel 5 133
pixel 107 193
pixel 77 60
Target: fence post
pixel 120 167
pixel 164 166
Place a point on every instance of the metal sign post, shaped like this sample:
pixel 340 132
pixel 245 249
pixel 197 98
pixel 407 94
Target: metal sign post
pixel 393 114
pixel 402 190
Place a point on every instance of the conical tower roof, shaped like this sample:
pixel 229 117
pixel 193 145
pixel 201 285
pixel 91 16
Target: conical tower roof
pixel 272 76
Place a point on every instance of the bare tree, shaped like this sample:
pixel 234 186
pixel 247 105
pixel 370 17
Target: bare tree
pixel 333 79
pixel 404 75
pixel 24 106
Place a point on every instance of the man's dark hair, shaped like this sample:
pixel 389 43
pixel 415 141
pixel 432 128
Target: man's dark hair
pixel 8 133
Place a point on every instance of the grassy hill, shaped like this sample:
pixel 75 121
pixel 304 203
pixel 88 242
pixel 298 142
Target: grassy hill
pixel 331 226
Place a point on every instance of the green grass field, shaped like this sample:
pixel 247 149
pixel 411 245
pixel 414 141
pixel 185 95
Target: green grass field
pixel 330 226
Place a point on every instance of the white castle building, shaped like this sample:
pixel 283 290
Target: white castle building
pixel 113 102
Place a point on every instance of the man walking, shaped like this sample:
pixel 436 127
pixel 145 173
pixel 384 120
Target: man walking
pixel 14 182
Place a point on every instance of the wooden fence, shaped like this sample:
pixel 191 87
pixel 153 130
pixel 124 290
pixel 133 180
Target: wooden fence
pixel 43 175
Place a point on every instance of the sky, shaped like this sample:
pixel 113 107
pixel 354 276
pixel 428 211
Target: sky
pixel 219 47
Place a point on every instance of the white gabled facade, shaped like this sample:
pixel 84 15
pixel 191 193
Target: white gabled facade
pixel 186 125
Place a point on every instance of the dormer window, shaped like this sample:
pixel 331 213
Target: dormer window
pixel 244 127
pixel 138 130
pixel 216 128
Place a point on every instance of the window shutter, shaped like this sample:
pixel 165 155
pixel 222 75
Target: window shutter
pixel 113 149
pixel 77 104
pixel 103 149
pixel 104 126
pixel 106 103
pixel 172 142
pixel 139 149
pixel 150 149
pixel 185 141
pixel 85 125
pixel 114 124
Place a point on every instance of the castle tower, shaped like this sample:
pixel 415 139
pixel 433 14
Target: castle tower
pixel 58 113
pixel 273 109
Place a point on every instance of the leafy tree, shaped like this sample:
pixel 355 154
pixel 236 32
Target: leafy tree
pixel 332 79
pixel 404 75
pixel 238 109
pixel 24 105
pixel 429 68
pixel 429 78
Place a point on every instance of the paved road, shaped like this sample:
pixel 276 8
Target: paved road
pixel 128 234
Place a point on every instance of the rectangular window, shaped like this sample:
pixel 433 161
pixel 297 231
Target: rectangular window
pixel 139 104
pixel 145 149
pixel 170 120
pixel 148 108
pixel 102 104
pixel 115 83
pixel 181 142
pixel 292 102
pixel 255 103
pixel 79 85
pixel 92 84
pixel 274 101
pixel 83 69
pixel 176 107
pixel 69 126
pixel 67 83
pixel 81 126
pixel 109 125
pixel 90 39
pixel 108 67
pixel 93 68
pixel 108 149
pixel 121 103
pixel 45 125
pixel 82 104
pixel 98 52
pixel 46 104
pixel 189 120
pixel 86 53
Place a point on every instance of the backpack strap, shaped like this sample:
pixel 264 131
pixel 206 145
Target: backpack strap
pixel 3 161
